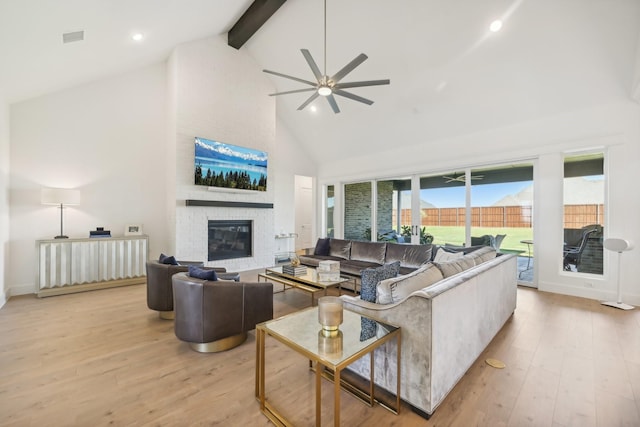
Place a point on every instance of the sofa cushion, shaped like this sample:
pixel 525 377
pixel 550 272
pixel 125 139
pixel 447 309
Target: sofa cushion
pixel 459 265
pixel 165 259
pixel 339 248
pixel 372 276
pixel 201 273
pixel 322 247
pixel 410 256
pixel 481 255
pixel 368 251
pixel 416 256
pixel 354 268
pixel 398 288
pixel 444 256
pixel 314 260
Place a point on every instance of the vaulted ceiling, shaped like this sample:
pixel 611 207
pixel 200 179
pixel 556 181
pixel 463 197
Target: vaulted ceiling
pixel 449 74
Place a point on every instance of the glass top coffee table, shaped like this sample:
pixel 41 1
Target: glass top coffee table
pixel 302 333
pixel 309 282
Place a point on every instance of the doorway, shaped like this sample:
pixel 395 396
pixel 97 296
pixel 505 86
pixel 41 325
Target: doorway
pixel 303 212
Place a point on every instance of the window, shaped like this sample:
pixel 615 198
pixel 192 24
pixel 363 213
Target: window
pixel 357 211
pixel 583 194
pixel 330 203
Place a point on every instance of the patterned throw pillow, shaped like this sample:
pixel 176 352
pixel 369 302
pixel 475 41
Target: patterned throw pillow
pixel 368 285
pixel 372 276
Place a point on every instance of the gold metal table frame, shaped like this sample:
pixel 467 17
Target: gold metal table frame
pixel 300 332
pixel 308 282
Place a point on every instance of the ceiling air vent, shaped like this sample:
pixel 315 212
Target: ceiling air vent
pixel 75 36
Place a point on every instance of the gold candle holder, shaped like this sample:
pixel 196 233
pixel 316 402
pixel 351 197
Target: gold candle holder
pixel 330 315
pixel 330 346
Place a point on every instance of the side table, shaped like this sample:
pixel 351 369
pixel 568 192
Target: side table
pixel 302 333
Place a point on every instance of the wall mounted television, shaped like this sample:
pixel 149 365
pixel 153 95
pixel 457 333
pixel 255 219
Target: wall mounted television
pixel 222 165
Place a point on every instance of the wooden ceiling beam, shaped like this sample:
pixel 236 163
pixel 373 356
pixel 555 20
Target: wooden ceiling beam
pixel 251 21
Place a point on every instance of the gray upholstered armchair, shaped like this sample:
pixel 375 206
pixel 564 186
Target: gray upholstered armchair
pixel 216 315
pixel 159 289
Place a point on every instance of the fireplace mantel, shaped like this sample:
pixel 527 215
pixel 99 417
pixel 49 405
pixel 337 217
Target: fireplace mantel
pixel 227 204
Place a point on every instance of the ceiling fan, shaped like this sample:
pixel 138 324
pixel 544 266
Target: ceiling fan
pixel 460 178
pixel 328 86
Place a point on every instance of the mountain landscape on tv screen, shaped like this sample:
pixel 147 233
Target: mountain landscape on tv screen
pixel 218 164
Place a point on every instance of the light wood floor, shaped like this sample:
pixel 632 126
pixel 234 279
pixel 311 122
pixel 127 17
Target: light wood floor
pixel 103 358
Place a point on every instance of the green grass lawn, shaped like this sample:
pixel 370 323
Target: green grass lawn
pixel 455 236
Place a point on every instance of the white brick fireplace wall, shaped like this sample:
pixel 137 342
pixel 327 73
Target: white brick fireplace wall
pixel 192 221
pixel 217 92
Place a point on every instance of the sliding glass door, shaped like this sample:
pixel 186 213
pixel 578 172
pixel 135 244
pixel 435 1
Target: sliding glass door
pixel 442 208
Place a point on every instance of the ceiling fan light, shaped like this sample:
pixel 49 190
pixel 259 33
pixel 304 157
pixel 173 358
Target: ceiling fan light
pixel 324 91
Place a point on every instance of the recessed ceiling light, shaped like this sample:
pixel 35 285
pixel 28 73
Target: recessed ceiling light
pixel 495 26
pixel 137 36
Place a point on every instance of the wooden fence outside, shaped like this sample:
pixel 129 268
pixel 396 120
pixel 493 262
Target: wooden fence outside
pixel 575 216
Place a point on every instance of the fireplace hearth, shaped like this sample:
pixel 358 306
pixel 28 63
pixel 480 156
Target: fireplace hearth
pixel 229 239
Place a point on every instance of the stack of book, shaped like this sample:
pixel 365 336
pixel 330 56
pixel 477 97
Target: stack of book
pixel 299 270
pixel 100 232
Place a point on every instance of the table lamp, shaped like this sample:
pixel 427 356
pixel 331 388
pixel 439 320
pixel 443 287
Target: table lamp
pixel 61 197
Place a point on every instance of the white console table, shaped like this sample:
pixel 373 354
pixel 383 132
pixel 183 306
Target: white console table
pixel 77 265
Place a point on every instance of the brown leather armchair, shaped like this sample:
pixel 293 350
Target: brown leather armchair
pixel 215 316
pixel 159 289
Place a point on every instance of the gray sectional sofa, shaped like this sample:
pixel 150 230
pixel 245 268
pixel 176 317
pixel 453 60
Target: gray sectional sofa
pixel 354 256
pixel 448 313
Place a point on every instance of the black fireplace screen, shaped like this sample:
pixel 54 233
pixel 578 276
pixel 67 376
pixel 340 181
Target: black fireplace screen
pixel 229 239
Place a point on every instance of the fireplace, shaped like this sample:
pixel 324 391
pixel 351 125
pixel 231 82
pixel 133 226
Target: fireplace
pixel 229 239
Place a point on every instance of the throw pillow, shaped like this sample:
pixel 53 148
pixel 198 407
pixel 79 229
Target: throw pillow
pixel 394 290
pixel 444 256
pixel 450 268
pixel 322 247
pixel 201 273
pixel 481 255
pixel 368 328
pixel 164 259
pixel 372 276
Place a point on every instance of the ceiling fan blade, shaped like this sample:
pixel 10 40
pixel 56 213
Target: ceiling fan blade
pixel 333 103
pixel 312 64
pixel 352 96
pixel 275 73
pixel 308 101
pixel 293 91
pixel 348 68
pixel 363 83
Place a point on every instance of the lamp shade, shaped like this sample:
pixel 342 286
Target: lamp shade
pixel 59 196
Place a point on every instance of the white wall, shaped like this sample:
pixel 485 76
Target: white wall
pixel 106 139
pixel 614 128
pixel 220 95
pixel 291 160
pixel 4 200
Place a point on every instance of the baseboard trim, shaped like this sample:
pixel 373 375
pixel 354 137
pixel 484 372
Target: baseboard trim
pixel 91 287
pixel 24 289
pixel 590 293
